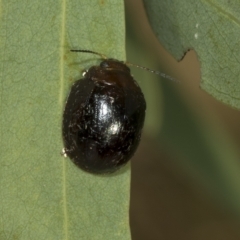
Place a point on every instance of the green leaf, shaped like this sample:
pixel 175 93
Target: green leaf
pixel 43 195
pixel 212 30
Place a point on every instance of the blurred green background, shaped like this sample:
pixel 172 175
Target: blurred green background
pixel 185 175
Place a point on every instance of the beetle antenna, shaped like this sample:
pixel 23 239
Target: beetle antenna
pixel 88 51
pixel 154 71
pixel 129 64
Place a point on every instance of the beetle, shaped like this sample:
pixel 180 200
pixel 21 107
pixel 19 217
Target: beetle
pixel 103 117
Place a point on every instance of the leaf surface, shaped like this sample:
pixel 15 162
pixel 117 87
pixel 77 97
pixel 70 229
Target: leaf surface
pixel 42 194
pixel 212 29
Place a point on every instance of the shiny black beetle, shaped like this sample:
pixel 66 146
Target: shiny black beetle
pixel 103 117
